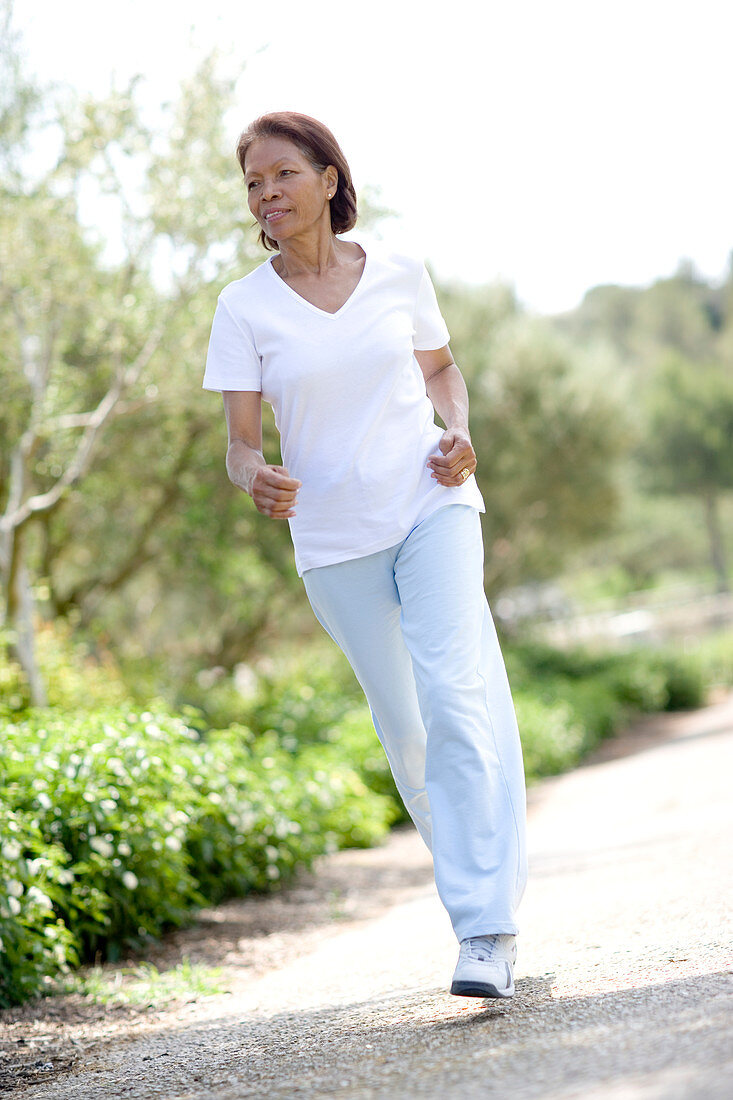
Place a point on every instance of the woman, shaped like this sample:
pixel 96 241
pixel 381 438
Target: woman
pixel 350 349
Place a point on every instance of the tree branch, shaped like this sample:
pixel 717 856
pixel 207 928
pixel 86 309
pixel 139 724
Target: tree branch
pixel 44 502
pixel 82 420
pixel 140 553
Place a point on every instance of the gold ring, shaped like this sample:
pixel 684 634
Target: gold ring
pixel 465 472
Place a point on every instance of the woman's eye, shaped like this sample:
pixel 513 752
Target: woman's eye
pixel 251 184
pixel 286 172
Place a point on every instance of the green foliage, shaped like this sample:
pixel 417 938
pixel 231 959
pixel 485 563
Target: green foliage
pixel 683 313
pixel 354 734
pixel 118 825
pixel 690 444
pixel 673 347
pixel 79 676
pixel 689 447
pixel 144 983
pixel 107 789
pixel 569 700
pixel 684 682
pixel 302 701
pixel 547 427
pixel 552 736
pixel 319 703
pixel 146 820
pixel 35 944
pixel 713 659
pixel 103 422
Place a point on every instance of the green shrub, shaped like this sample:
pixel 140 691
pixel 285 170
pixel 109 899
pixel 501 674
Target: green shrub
pixel 552 737
pixel 119 825
pixel 354 738
pixel 267 812
pixel 151 820
pixel 112 791
pixel 35 944
pixel 76 678
pixel 713 657
pixel 530 662
pixel 569 700
pixel 684 681
pixel 595 705
pixel 301 704
pixel 637 682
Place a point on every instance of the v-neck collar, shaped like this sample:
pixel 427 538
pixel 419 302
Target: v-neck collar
pixel 310 305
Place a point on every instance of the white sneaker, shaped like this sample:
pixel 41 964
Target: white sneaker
pixel 485 967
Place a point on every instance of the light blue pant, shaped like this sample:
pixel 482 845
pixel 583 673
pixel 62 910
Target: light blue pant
pixel 414 623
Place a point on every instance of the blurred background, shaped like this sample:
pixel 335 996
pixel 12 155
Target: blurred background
pixel 565 172
pixel 565 169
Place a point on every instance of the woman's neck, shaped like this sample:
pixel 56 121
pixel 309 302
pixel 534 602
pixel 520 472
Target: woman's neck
pixel 310 255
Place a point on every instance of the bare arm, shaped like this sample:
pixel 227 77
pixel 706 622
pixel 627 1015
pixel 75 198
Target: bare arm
pixel 447 391
pixel 271 487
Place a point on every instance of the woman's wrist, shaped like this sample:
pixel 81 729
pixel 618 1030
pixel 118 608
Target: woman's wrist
pixel 457 424
pixel 242 464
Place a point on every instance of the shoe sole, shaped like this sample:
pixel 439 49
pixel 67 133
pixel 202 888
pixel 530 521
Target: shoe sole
pixel 479 989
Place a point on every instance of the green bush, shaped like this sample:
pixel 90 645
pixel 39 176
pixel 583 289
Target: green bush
pixel 642 680
pixel 76 677
pixel 637 682
pixel 267 812
pixel 713 658
pixel 552 736
pixel 569 700
pixel 35 944
pixel 354 737
pixel 119 825
pixel 299 697
pixel 684 681
pixel 302 703
pixel 112 791
pixel 530 662
pixel 151 820
pixel 596 705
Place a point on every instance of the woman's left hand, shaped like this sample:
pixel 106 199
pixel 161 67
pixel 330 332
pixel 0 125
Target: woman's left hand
pixel 457 455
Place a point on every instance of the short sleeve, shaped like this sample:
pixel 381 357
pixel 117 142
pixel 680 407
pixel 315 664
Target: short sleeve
pixel 429 329
pixel 232 362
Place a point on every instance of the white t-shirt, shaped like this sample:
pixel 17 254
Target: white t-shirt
pixel 356 424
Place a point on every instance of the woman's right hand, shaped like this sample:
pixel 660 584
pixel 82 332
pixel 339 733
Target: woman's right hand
pixel 274 491
pixel 271 487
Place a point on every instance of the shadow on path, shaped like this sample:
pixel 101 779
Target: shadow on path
pixel 425 1043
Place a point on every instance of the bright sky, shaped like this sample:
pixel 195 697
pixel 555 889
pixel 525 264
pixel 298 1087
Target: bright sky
pixel 554 144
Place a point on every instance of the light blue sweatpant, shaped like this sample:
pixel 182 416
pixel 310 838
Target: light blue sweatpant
pixel 415 626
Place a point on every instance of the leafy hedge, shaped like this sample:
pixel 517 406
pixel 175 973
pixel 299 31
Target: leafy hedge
pixel 34 941
pixel 138 819
pixel 567 701
pixel 116 826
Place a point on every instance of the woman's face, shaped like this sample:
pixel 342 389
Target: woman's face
pixel 286 194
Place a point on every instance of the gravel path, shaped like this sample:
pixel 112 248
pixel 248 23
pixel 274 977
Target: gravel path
pixel 338 987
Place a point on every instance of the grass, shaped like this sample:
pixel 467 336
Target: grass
pixel 144 984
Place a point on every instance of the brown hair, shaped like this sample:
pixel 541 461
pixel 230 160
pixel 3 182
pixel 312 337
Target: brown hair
pixel 319 147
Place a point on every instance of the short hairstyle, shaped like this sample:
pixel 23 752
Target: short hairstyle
pixel 319 147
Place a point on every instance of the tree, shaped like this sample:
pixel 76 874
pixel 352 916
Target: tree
pixel 91 344
pixel 115 509
pixel 681 313
pixel 689 446
pixel 547 429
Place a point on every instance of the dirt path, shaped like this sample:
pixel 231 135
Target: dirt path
pixel 338 988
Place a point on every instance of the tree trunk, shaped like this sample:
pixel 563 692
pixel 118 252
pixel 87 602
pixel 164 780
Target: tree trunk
pixel 20 620
pixel 717 545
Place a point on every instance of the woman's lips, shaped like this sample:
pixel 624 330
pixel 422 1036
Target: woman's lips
pixel 275 215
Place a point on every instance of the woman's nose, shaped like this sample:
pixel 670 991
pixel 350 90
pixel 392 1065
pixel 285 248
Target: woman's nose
pixel 270 189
